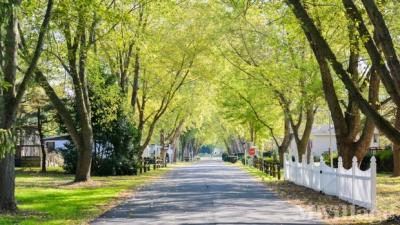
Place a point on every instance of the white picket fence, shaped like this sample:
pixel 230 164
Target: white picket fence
pixel 353 185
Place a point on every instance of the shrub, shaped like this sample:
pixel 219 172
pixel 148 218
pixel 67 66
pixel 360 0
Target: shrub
pixel 233 159
pixel 384 160
pixel 267 154
pixel 116 138
pixel 70 156
pixel 240 155
pixel 113 162
pixel 249 159
pixel 327 160
pixel 365 163
pixel 225 156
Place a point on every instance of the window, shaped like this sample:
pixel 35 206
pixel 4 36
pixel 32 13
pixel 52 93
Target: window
pixel 51 146
pixel 376 137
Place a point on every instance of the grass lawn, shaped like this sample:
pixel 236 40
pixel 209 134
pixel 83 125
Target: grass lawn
pixel 332 209
pixel 51 198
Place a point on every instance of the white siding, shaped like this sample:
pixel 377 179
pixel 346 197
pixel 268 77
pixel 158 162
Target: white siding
pixel 321 141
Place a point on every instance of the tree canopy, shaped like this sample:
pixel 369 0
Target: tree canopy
pixel 188 73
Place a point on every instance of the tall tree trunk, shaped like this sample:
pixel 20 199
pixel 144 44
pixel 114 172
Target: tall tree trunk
pixel 347 126
pixel 387 79
pixel 83 138
pixel 163 150
pixel 287 138
pixel 137 67
pixel 84 162
pixel 396 149
pixel 135 85
pixel 228 147
pixel 175 152
pixel 7 180
pixel 85 146
pixel 339 122
pixel 7 184
pixel 252 132
pixel 8 111
pixel 385 44
pixel 303 139
pixel 384 38
pixel 11 97
pixel 41 136
pixel 346 151
pixel 173 137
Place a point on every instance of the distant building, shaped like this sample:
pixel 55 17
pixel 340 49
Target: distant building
pixel 154 150
pixel 29 153
pixel 56 142
pixel 323 138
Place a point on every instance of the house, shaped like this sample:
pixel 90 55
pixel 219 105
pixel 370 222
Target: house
pixel 29 152
pixel 154 150
pixel 323 138
pixel 56 142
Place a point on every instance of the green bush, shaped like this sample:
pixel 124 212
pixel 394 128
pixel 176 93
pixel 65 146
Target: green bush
pixel 225 156
pixel 116 150
pixel 270 159
pixel 70 156
pixel 248 159
pixel 229 158
pixel 327 160
pixel 116 138
pixel 232 159
pixel 365 164
pixel 240 156
pixel 384 161
pixel 267 154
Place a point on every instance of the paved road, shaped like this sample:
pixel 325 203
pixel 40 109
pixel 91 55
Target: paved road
pixel 208 192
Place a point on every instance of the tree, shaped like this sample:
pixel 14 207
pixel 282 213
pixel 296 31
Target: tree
pixel 35 111
pixel 325 55
pixel 171 60
pixel 293 81
pixel 12 92
pixel 282 145
pixel 77 27
pixel 171 137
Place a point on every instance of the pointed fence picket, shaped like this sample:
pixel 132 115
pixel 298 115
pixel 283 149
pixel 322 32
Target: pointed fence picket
pixel 352 185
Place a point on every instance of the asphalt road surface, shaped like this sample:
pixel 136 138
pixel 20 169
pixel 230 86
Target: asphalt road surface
pixel 208 192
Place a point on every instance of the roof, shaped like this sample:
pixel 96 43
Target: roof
pixel 322 130
pixel 57 138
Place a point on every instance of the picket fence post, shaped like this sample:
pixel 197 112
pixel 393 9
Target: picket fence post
pixel 353 172
pixel 284 166
pixel 289 159
pixel 373 183
pixel 299 173
pixel 321 166
pixel 339 176
pixel 311 169
pixel 303 169
pixel 291 174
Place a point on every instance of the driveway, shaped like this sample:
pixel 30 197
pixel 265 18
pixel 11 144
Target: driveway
pixel 208 192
